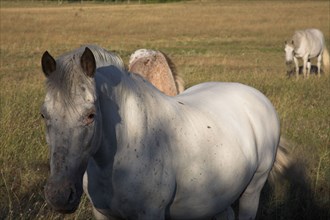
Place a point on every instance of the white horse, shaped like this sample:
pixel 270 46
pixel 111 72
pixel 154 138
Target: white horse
pixel 146 155
pixel 307 44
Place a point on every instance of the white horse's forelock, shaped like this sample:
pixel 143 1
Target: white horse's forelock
pixel 69 76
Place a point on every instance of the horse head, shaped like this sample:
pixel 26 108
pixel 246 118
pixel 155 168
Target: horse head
pixel 289 51
pixel 70 112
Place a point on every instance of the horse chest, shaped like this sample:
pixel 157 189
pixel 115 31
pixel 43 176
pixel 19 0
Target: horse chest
pixel 139 180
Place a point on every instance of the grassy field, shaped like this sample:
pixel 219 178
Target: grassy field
pixel 239 41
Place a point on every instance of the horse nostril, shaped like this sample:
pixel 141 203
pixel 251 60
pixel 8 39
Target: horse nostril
pixel 71 198
pixel 63 196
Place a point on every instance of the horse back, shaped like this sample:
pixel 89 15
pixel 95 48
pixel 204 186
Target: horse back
pixel 239 112
pixel 309 41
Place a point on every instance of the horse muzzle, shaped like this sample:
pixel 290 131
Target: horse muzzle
pixel 63 195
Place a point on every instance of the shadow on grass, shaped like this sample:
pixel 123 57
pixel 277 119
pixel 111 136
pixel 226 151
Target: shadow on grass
pixel 314 70
pixel 28 203
pixel 297 200
pixel 31 204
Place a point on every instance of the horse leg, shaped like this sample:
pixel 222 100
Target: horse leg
pixel 99 216
pixel 228 214
pixel 309 66
pixel 296 63
pixel 319 59
pixel 305 59
pixel 249 200
pixel 159 215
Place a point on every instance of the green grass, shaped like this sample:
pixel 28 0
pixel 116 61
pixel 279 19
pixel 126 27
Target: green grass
pixel 239 41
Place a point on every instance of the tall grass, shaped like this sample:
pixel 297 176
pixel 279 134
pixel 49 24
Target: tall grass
pixel 238 41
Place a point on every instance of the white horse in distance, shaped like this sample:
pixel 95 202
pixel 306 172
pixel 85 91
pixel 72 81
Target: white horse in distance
pixel 307 44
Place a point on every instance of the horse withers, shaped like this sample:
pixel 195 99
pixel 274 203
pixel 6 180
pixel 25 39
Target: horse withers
pixel 306 44
pixel 140 154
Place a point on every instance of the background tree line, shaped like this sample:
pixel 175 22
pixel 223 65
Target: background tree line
pixel 110 1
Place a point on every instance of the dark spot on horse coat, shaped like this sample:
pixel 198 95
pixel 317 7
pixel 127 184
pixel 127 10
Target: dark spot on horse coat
pixel 181 103
pixel 208 126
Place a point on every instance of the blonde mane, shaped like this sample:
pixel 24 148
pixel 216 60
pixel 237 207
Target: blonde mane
pixel 151 64
pixel 179 82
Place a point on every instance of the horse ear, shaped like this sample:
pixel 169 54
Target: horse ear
pixel 48 64
pixel 88 63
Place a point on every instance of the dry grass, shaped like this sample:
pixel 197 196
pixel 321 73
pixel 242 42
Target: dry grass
pixel 208 40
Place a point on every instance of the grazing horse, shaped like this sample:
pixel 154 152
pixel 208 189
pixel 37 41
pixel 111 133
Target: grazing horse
pixel 139 154
pixel 159 69
pixel 307 44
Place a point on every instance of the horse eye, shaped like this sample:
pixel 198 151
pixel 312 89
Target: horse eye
pixel 42 116
pixel 89 118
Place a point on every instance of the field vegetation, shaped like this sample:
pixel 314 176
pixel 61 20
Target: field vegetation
pixel 241 41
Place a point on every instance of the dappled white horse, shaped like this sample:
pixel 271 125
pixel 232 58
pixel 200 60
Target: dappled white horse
pixel 307 44
pixel 146 155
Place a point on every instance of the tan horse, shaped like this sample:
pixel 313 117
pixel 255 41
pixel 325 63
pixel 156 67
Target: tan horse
pixel 157 68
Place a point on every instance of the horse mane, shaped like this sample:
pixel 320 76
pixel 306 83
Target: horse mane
pixel 104 57
pixel 179 82
pixel 68 78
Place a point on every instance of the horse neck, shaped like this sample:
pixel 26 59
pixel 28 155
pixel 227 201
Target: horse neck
pixel 137 95
pixel 125 108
